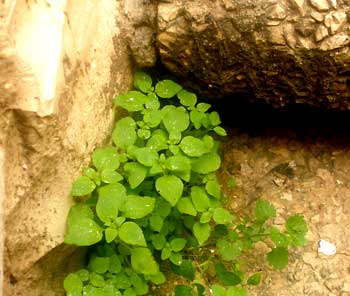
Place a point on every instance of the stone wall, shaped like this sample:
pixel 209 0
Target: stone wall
pixel 61 63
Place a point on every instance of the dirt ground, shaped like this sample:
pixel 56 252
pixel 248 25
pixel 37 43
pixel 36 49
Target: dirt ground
pixel 298 171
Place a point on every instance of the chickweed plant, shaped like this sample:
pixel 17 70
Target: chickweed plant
pixel 151 204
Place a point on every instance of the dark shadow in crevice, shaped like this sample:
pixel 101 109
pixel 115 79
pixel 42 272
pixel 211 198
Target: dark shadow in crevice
pixel 258 117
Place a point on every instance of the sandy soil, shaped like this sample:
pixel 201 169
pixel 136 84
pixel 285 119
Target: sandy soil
pixel 299 171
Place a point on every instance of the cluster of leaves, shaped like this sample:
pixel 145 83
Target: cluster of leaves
pixel 152 197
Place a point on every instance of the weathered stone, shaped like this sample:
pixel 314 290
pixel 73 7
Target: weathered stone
pixel 335 20
pixel 334 4
pixel 335 41
pixel 306 43
pixel 78 60
pixel 229 4
pixel 298 3
pixel 276 36
pixel 289 36
pixel 320 5
pixel 276 12
pixel 211 45
pixel 273 22
pixel 317 16
pixel 321 33
pixel 305 26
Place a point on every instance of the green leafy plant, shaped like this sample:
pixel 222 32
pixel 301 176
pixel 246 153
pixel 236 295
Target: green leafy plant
pixel 151 199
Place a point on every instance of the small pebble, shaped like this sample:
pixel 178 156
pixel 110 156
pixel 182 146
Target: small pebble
pixel 327 248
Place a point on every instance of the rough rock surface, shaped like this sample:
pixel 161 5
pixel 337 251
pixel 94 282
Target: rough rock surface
pixel 280 51
pixel 55 106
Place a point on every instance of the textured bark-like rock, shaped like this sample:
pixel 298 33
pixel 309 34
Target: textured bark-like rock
pixel 280 51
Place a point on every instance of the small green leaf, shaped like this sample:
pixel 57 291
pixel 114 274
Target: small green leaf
pixel 182 290
pixel 167 89
pixel 139 284
pixel 153 118
pixel 110 234
pixel 278 258
pixel 105 158
pixel 136 207
pixel 97 280
pixel 84 232
pixel 280 239
pixel 187 98
pixel 177 244
pixel 214 118
pixel 143 82
pixel 91 173
pixel 206 217
pixel 264 211
pixel 213 188
pixel 201 232
pixel 143 262
pixel 110 176
pixel 229 251
pixel 192 146
pixel 107 208
pixel 83 274
pixel 203 107
pixel 115 191
pixel 200 199
pixel 156 222
pixel 99 264
pixel 206 164
pixel 220 131
pixel 255 279
pixel 152 101
pixel 235 291
pixel 175 119
pixel 185 206
pixel 158 140
pixel 115 265
pixel 170 188
pixel 166 252
pixel 175 258
pixel 162 208
pixel 78 212
pixel 218 290
pixel 226 277
pixel 73 284
pixel 129 292
pixel 297 229
pixel 131 101
pixel 185 269
pixel 82 186
pixel 132 234
pixel 144 133
pixel 156 170
pixel 146 156
pixel 208 142
pixel 222 216
pixel 158 279
pixel 178 163
pixel 124 134
pixel 196 118
pixel 220 231
pixel 136 173
pixel 158 241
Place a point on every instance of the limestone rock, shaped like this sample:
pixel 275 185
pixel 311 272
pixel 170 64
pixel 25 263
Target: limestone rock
pixel 321 33
pixel 320 5
pixel 55 106
pixel 278 51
